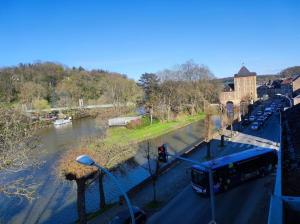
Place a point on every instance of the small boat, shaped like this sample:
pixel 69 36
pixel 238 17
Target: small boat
pixel 59 122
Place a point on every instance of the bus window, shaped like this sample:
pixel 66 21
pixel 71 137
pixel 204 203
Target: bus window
pixel 238 168
pixel 199 178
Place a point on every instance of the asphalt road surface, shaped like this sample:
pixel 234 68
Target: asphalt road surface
pixel 243 204
pixel 247 203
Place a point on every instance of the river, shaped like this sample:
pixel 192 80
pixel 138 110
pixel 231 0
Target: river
pixel 56 199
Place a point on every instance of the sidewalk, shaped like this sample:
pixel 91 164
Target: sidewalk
pixel 171 181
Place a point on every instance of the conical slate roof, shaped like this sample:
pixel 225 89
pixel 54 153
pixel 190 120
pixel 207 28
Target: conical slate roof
pixel 244 72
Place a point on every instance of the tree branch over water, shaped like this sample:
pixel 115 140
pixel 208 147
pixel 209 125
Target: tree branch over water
pixel 18 145
pixel 22 188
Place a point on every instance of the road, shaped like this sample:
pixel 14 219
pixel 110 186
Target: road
pixel 247 203
pixel 235 206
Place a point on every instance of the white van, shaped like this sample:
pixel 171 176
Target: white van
pixel 268 110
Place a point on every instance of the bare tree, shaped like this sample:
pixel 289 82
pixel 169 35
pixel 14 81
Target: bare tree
pixel 18 146
pixel 69 169
pixel 209 130
pixel 106 155
pixel 152 168
pixel 223 122
pixel 194 86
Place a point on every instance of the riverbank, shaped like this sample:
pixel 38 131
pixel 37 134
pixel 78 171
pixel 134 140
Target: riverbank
pixel 58 199
pixel 123 135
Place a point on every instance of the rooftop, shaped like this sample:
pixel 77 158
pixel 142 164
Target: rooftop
pixel 291 151
pixel 228 87
pixel 235 157
pixel 244 72
pixel 287 81
pixel 285 202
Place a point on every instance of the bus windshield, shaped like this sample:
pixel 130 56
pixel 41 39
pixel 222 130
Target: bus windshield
pixel 199 177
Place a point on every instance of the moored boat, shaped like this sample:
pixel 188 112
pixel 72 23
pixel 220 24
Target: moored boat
pixel 59 122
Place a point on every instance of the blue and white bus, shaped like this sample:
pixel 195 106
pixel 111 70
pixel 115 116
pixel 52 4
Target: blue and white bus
pixel 234 169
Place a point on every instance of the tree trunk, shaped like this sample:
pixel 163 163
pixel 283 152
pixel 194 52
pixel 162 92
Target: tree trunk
pixel 193 108
pixel 222 140
pixel 101 191
pixel 154 179
pixel 168 113
pixel 151 115
pixel 81 201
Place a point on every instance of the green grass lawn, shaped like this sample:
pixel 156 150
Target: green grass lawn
pixel 123 135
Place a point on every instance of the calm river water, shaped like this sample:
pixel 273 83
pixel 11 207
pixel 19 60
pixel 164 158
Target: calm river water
pixel 56 201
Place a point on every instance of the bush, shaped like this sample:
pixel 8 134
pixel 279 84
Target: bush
pixel 41 104
pixel 134 124
pixel 141 122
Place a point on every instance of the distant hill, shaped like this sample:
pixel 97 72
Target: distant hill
pixel 260 78
pixel 290 71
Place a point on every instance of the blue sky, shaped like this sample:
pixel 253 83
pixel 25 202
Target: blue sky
pixel 133 37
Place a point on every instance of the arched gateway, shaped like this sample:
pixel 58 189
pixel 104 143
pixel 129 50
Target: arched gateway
pixel 243 89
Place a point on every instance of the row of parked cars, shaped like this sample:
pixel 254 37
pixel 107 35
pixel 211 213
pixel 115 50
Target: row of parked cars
pixel 258 120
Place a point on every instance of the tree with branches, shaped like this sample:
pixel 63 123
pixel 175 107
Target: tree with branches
pixel 18 146
pixel 209 131
pixel 152 168
pixel 107 156
pixel 150 84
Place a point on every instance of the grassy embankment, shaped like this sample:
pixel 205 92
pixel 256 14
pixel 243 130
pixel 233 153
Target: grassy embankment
pixel 123 135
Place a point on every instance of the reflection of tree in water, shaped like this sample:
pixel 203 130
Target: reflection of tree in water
pixel 125 167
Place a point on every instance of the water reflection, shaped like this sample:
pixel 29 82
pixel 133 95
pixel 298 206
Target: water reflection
pixel 56 202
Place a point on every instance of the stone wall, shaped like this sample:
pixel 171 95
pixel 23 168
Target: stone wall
pixel 296 84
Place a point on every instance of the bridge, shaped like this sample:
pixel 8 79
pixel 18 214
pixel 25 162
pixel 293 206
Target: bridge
pixel 81 107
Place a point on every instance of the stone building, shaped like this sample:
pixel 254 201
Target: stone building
pixel 242 90
pixel 288 87
pixel 285 200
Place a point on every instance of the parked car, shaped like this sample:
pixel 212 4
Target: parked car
pixel 259 113
pixel 124 217
pixel 261 119
pixel 269 111
pixel 245 122
pixel 252 118
pixel 266 116
pixel 255 125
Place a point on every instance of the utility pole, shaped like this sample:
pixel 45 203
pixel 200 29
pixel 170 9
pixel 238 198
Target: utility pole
pixel 211 179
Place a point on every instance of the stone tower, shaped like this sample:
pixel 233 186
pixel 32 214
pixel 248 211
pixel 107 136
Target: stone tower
pixel 242 90
pixel 245 85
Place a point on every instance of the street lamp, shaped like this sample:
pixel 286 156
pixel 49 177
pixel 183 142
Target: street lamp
pixel 88 161
pixel 291 103
pixel 211 181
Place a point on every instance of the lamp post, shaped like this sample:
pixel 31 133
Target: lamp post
pixel 291 103
pixel 88 161
pixel 211 183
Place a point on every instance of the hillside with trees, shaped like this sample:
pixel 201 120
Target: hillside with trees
pixel 62 86
pixel 290 71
